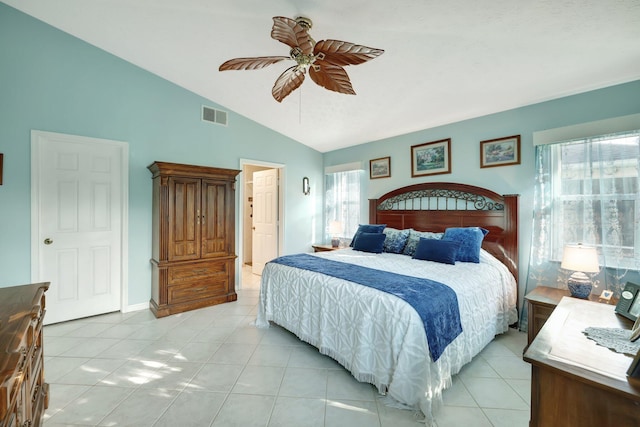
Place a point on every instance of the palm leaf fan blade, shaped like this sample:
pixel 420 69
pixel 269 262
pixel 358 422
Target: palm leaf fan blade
pixel 332 77
pixel 288 81
pixel 291 33
pixel 345 53
pixel 251 63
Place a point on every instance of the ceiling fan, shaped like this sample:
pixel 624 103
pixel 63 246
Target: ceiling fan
pixel 324 59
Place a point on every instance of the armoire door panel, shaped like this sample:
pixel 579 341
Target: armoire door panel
pixel 184 219
pixel 214 227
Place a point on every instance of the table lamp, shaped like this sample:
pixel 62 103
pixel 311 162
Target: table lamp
pixel 335 228
pixel 580 259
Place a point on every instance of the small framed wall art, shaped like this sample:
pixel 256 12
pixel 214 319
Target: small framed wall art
pixel 431 158
pixel 380 168
pixel 500 152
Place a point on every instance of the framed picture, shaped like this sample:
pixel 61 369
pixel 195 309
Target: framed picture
pixel 431 158
pixel 380 168
pixel 500 152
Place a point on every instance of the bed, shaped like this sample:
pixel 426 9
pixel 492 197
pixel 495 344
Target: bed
pixel 383 337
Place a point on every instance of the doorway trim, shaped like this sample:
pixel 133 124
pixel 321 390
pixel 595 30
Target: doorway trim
pixel 124 203
pixel 281 204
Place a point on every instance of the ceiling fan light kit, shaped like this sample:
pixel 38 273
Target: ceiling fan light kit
pixel 324 60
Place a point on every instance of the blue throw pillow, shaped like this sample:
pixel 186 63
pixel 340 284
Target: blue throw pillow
pixel 395 241
pixel 443 251
pixel 414 238
pixel 470 239
pixel 367 228
pixel 369 242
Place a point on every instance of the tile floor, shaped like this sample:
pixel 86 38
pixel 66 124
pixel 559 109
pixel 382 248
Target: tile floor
pixel 210 367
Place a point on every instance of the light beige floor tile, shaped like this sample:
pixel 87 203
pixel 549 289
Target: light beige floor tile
pixel 57 367
pixel 478 368
pixel 90 372
pixel 216 377
pixel 92 406
pixel 456 416
pixel 298 412
pixel 271 355
pixel 263 380
pixel 233 354
pixel 494 393
pixel 128 413
pixel 522 387
pixel 309 357
pixel 342 385
pixel 235 411
pixel 303 382
pixel 60 395
pixel 510 367
pixel 90 347
pixel 197 351
pixel 192 409
pixel 351 413
pixel 131 374
pixel 173 375
pixel 458 395
pixel 508 417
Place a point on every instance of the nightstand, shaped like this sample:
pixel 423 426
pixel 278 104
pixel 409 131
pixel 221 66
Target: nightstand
pixel 324 248
pixel 540 304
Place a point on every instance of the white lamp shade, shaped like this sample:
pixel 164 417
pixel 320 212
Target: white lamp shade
pixel 335 228
pixel 580 258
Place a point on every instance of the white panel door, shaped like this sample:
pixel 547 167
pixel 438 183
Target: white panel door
pixel 265 219
pixel 78 223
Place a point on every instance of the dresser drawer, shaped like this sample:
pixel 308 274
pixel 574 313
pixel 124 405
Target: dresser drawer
pixel 198 272
pixel 203 288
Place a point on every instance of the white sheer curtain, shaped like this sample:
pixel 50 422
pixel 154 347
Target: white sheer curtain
pixel 587 191
pixel 342 202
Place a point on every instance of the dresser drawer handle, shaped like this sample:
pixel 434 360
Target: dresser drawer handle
pixel 199 270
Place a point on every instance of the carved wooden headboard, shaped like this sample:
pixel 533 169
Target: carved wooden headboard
pixel 434 206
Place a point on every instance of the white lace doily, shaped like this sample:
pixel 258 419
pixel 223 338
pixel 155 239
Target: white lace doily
pixel 615 339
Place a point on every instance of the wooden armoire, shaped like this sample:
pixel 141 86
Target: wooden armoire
pixel 193 254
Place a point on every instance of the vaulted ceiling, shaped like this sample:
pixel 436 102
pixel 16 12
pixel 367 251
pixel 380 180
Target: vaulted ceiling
pixel 444 61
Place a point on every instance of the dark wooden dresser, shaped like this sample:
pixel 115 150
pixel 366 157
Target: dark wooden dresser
pixel 23 393
pixel 574 381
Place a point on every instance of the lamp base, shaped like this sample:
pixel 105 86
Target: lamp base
pixel 580 287
pixel 335 242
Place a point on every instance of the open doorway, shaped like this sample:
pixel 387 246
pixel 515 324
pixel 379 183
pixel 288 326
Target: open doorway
pixel 261 231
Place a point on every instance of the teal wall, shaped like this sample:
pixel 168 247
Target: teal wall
pixel 51 81
pixel 465 137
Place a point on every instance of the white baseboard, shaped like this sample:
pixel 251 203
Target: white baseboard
pixel 136 307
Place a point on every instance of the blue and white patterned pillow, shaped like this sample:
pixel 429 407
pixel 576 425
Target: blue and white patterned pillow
pixel 395 241
pixel 414 238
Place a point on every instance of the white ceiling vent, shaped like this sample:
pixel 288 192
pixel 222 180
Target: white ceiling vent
pixel 212 115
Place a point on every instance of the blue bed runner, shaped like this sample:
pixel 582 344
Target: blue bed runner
pixel 436 303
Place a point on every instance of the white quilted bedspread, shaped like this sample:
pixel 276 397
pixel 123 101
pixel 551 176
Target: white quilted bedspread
pixel 380 338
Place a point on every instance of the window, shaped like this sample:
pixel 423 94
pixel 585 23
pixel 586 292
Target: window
pixel 342 203
pixel 595 196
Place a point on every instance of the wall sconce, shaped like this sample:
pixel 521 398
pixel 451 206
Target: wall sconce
pixel 306 187
pixel 580 259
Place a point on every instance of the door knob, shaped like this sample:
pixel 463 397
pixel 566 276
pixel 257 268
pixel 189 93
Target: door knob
pixel 48 241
